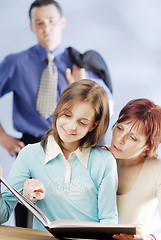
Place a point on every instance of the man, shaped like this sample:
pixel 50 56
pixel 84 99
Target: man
pixel 21 73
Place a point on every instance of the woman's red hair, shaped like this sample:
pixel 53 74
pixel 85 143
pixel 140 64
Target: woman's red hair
pixel 145 111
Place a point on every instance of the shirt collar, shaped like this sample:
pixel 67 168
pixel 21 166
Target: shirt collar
pixel 53 150
pixel 43 51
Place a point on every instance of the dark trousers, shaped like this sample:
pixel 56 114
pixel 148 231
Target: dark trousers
pixel 23 217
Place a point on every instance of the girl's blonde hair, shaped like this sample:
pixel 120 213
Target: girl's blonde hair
pixel 82 91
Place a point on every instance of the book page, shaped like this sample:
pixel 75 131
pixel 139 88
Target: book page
pixel 88 230
pixel 77 223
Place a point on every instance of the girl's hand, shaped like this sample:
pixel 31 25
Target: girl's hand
pixel 124 236
pixel 34 189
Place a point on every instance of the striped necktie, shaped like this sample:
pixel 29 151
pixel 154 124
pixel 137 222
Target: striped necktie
pixel 47 94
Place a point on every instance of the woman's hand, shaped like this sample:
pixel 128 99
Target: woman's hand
pixel 124 236
pixel 34 189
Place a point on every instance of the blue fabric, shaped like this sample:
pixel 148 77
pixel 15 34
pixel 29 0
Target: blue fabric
pixel 20 73
pixel 90 196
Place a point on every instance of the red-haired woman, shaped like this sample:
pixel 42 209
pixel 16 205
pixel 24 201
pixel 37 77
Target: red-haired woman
pixel 136 137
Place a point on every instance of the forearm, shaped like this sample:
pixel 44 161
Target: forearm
pixel 5 210
pixel 6 203
pixel 107 202
pixel 2 134
pixel 11 144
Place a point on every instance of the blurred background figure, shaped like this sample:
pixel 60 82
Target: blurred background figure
pixel 37 76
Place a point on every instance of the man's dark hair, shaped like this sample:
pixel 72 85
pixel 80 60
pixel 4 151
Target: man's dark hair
pixel 41 3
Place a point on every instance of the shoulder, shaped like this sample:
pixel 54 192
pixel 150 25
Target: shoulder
pixel 30 157
pixel 103 150
pixel 153 162
pixel 152 168
pixel 31 150
pixel 103 155
pixel 18 57
pixel 63 54
pixel 102 165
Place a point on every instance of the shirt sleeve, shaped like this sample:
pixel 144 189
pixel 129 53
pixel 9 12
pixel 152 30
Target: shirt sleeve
pixel 17 176
pixel 6 76
pixel 107 206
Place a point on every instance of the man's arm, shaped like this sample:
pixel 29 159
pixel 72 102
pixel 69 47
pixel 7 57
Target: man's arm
pixel 11 144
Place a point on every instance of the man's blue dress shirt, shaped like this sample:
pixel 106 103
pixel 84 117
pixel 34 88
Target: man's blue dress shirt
pixel 20 73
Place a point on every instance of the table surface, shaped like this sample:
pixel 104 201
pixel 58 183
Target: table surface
pixel 10 233
pixel 17 233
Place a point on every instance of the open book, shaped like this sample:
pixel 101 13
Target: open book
pixel 72 228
